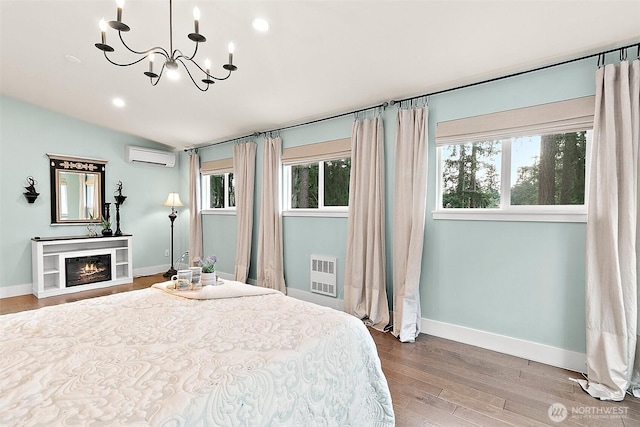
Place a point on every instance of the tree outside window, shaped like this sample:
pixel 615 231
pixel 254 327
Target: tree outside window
pixel 542 170
pixel 319 185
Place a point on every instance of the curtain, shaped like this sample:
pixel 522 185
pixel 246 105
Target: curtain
pixel 410 198
pixel 365 294
pixel 195 221
pixel 244 171
pixel 612 237
pixel 270 258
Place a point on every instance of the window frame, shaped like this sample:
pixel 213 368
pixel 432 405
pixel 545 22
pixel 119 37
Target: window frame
pixel 321 210
pixel 506 211
pixel 205 187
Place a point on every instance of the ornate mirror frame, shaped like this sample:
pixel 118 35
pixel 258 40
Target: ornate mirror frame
pixel 88 177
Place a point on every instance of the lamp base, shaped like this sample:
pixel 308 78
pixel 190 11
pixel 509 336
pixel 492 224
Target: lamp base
pixel 171 272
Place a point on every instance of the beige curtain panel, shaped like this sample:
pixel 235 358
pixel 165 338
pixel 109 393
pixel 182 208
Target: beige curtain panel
pixel 195 220
pixel 244 172
pixel 217 167
pixel 365 293
pixel 409 202
pixel 613 362
pixel 558 117
pixel 328 150
pixel 270 253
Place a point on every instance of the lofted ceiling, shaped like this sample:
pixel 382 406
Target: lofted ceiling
pixel 320 58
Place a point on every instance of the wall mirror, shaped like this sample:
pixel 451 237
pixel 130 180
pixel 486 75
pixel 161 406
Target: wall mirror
pixel 77 189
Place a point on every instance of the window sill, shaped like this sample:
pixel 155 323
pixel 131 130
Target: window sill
pixel 218 212
pixel 512 215
pixel 317 213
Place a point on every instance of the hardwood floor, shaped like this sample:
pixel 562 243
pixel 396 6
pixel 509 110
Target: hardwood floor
pixel 435 381
pixel 30 302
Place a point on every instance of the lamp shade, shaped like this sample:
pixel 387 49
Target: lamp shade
pixel 173 200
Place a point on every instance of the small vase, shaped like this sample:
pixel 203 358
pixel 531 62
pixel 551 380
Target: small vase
pixel 107 232
pixel 208 279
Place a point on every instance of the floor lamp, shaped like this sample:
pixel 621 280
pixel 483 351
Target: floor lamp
pixel 173 200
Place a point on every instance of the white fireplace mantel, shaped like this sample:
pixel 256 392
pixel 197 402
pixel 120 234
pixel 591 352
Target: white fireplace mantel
pixel 49 255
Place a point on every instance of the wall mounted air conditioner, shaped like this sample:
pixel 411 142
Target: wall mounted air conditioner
pixel 149 155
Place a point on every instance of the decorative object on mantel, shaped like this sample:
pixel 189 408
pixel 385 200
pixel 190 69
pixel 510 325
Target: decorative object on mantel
pixel 173 200
pixel 171 58
pixel 119 201
pixel 106 222
pixel 31 194
pixel 208 265
pixel 118 194
pixel 91 230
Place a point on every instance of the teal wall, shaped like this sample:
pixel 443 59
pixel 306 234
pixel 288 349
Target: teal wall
pixel 519 279
pixel 27 133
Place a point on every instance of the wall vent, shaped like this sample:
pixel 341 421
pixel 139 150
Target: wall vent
pixel 323 275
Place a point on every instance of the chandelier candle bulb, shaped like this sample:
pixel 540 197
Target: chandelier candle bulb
pixel 207 66
pixel 196 19
pixel 232 48
pixel 151 58
pixel 103 30
pixel 119 5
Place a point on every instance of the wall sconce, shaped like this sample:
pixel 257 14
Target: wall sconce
pixel 31 194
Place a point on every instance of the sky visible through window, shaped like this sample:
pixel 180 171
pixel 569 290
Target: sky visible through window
pixel 524 152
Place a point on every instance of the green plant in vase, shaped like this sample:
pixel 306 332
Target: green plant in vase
pixel 208 266
pixel 106 227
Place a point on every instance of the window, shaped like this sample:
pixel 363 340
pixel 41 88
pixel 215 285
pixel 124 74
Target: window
pixel 318 185
pixel 316 178
pixel 218 186
pixel 218 191
pixel 490 174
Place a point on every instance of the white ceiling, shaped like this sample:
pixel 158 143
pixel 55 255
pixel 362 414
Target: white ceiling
pixel 320 58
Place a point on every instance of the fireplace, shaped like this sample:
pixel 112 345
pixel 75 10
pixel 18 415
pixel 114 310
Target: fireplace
pixel 87 269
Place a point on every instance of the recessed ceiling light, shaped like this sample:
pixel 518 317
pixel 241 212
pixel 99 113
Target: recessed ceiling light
pixel 72 58
pixel 118 102
pixel 261 24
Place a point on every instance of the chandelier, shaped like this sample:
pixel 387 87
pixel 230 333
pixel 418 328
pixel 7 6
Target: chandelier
pixel 171 58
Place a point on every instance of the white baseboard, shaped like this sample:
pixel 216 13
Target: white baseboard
pixel 16 290
pixel 27 288
pixel 322 300
pixel 542 353
pixel 226 276
pixel 149 271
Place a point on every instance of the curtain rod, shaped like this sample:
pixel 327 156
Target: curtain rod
pixel 533 70
pixel 392 102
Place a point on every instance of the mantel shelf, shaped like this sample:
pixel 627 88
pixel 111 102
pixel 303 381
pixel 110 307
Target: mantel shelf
pixel 56 238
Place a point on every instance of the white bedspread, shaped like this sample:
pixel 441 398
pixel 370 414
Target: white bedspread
pixel 151 358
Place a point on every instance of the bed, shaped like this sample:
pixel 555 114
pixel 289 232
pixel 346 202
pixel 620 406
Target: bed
pixel 245 356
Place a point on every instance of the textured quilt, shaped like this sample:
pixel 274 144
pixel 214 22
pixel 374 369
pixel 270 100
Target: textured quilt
pixel 151 358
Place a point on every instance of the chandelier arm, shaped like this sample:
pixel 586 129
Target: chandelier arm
pixel 122 65
pixel 158 78
pixel 221 78
pixel 191 77
pixel 157 49
pixel 182 55
pixel 190 59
